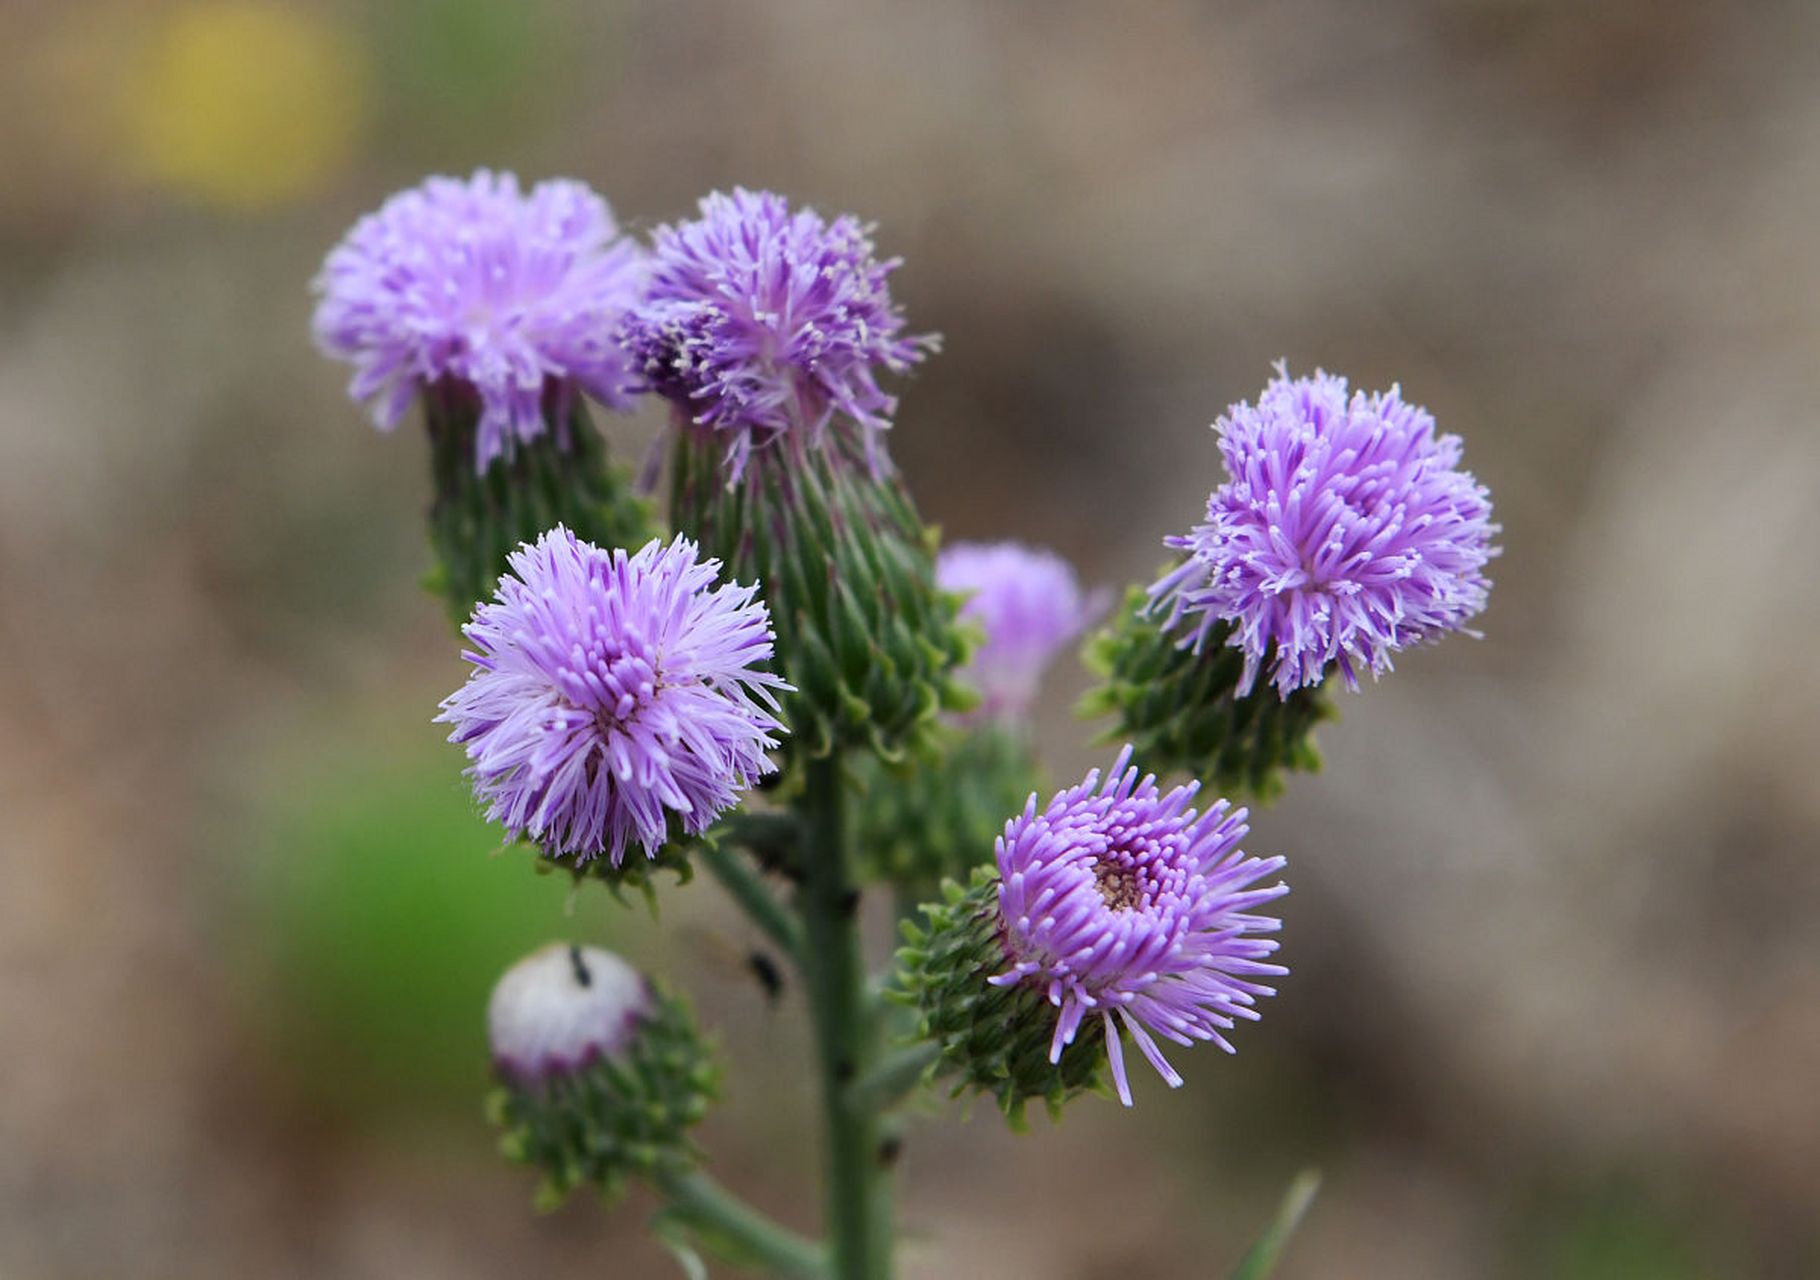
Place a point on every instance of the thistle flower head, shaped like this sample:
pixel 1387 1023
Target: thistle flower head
pixel 760 321
pixel 1123 904
pixel 1029 604
pixel 514 295
pixel 1345 531
pixel 561 1009
pixel 613 692
pixel 602 1074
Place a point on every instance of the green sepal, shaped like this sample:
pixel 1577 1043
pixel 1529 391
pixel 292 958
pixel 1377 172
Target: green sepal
pixel 637 871
pixel 774 838
pixel 848 570
pixel 616 1118
pixel 994 1041
pixel 934 818
pixel 564 477
pixel 1181 712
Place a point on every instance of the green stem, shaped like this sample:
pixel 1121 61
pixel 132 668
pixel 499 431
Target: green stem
pixel 728 1225
pixel 858 1190
pixel 746 887
pixel 887 1082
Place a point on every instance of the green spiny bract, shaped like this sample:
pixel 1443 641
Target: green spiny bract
pixel 564 476
pixel 616 1117
pixel 1179 709
pixel 993 1040
pixel 847 569
pixel 928 820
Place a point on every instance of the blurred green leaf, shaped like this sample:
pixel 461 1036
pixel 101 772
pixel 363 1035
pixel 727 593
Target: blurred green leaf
pixel 1617 1229
pixel 1262 1260
pixel 376 922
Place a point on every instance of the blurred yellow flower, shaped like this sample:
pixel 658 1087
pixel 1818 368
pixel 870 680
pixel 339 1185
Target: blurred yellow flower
pixel 242 103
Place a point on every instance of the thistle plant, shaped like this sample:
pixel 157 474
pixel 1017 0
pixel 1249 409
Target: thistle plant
pixel 796 688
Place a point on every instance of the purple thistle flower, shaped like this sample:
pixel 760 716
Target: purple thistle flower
pixel 1346 530
pixel 514 295
pixel 562 1008
pixel 611 690
pixel 1118 900
pixel 1029 603
pixel 761 322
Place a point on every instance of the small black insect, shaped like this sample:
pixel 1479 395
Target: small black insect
pixel 582 977
pixel 769 976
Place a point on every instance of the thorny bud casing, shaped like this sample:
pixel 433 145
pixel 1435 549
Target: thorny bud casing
pixel 496 308
pixel 601 1074
pixel 1180 709
pixel 767 329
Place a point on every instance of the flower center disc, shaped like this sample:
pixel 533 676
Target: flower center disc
pixel 1118 885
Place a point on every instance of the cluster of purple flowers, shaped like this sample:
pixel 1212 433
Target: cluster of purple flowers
pixel 611 690
pixel 616 695
pixel 1121 902
pixel 1344 532
pixel 512 295
pixel 756 319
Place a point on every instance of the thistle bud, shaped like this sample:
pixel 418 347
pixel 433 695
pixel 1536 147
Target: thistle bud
pixel 1114 913
pixel 495 307
pixel 767 329
pixel 1346 531
pixel 601 1074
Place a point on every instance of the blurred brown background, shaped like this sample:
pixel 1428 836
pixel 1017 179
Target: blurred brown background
pixel 1556 1001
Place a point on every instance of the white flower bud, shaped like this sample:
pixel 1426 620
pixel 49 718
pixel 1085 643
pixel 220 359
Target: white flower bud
pixel 562 1008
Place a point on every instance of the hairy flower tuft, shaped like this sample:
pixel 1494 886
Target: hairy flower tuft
pixel 513 294
pixel 1346 530
pixel 759 321
pixel 1122 903
pixel 1029 604
pixel 562 1008
pixel 612 691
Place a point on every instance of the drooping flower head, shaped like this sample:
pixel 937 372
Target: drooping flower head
pixel 760 321
pixel 1029 603
pixel 562 1008
pixel 515 295
pixel 1346 530
pixel 612 690
pixel 1121 903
